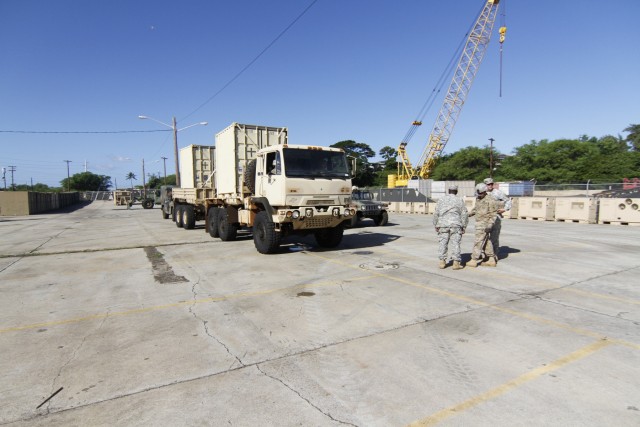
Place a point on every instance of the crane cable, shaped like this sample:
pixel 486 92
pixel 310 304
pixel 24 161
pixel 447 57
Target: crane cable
pixel 503 34
pixel 438 87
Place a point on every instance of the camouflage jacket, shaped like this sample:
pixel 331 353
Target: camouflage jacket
pixel 450 212
pixel 486 211
pixel 501 197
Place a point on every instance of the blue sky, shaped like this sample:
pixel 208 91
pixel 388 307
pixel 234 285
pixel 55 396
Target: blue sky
pixel 347 69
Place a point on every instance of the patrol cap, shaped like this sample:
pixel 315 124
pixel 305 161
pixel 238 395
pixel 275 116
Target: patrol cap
pixel 488 181
pixel 481 188
pixel 453 187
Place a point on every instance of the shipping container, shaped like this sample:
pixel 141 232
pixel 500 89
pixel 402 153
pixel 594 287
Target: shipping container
pixel 196 166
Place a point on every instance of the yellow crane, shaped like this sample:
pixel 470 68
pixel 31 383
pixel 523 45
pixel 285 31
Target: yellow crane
pixel 465 72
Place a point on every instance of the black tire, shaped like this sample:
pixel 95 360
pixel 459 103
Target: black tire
pixel 353 221
pixel 265 236
pixel 250 176
pixel 165 215
pixel 381 219
pixel 212 222
pixel 147 204
pixel 226 230
pixel 174 213
pixel 329 237
pixel 178 214
pixel 188 217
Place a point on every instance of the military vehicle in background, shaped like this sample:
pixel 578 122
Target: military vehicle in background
pixel 367 207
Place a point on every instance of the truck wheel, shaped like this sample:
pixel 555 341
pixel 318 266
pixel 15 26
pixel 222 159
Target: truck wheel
pixel 250 176
pixel 147 204
pixel 212 222
pixel 381 219
pixel 329 237
pixel 353 221
pixel 226 230
pixel 188 217
pixel 265 236
pixel 178 214
pixel 165 215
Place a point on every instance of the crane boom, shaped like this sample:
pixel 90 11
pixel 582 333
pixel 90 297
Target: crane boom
pixel 466 70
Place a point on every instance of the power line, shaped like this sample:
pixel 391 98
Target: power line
pixel 85 132
pixel 246 67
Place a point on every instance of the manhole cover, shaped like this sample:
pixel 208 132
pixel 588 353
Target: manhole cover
pixel 378 266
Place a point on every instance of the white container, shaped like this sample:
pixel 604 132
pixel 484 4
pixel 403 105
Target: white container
pixel 540 208
pixel 236 145
pixel 576 209
pixel 619 211
pixel 196 166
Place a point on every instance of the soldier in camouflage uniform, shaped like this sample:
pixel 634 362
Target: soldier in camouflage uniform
pixel 505 206
pixel 486 212
pixel 450 220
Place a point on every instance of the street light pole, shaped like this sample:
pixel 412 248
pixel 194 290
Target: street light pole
pixel 164 161
pixel 68 178
pixel 174 127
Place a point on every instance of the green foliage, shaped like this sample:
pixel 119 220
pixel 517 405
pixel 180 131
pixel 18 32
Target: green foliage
pixel 86 181
pixel 389 155
pixel 157 181
pixel 634 136
pixel 38 187
pixel 365 175
pixel 470 163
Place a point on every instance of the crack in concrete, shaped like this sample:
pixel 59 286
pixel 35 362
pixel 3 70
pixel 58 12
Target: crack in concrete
pixel 326 414
pixel 73 356
pixel 206 328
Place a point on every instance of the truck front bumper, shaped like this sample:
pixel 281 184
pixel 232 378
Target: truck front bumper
pixel 306 218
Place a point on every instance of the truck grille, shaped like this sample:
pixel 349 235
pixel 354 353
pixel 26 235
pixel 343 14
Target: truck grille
pixel 318 222
pixel 314 202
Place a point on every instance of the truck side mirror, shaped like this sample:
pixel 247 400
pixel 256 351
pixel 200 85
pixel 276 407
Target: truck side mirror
pixel 352 166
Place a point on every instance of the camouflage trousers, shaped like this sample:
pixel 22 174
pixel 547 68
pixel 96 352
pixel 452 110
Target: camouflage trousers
pixel 449 238
pixel 482 243
pixel 495 235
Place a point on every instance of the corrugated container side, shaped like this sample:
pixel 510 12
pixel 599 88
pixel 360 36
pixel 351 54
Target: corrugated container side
pixel 196 166
pixel 236 145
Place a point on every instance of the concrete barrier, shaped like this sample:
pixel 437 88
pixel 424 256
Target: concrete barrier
pixel 619 211
pixel 576 209
pixel 536 208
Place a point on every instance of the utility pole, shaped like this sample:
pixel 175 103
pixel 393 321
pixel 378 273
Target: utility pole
pixel 68 177
pixel 4 177
pixel 144 183
pixel 164 161
pixel 175 151
pixel 12 169
pixel 491 158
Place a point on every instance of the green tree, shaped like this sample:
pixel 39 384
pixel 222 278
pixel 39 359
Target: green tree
pixel 86 181
pixel 470 163
pixel 389 154
pixel 131 176
pixel 157 181
pixel 634 136
pixel 365 175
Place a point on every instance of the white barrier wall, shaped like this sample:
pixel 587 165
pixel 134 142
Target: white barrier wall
pixel 619 211
pixel 541 208
pixel 576 209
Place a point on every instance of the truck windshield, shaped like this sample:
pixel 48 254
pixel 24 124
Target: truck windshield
pixel 361 195
pixel 305 163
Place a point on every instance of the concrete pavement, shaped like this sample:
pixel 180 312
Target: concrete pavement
pixel 127 320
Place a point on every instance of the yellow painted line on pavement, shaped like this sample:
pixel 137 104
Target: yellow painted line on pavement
pixel 179 304
pixel 480 303
pixel 510 385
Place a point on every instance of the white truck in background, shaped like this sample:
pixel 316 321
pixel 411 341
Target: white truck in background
pixel 254 178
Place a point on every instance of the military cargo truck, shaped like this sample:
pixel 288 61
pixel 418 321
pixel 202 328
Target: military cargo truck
pixel 258 180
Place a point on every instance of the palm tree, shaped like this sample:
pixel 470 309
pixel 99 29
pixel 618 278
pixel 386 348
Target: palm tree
pixel 131 176
pixel 634 136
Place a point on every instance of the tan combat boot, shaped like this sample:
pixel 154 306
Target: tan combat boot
pixel 442 264
pixel 472 263
pixel 492 262
pixel 457 265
